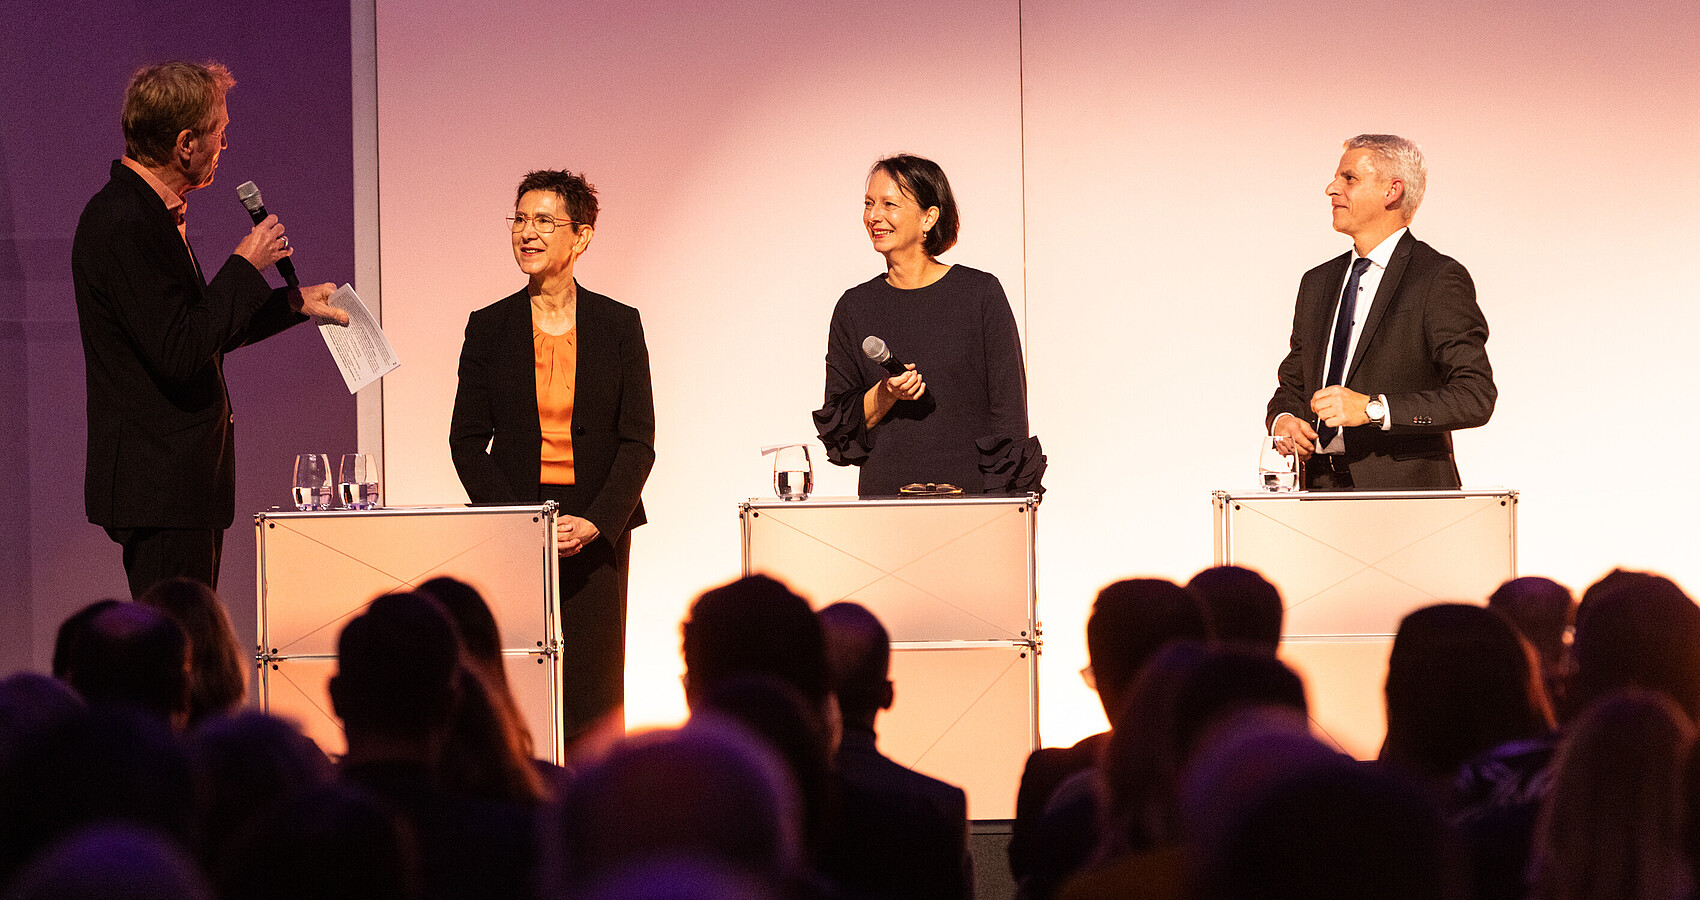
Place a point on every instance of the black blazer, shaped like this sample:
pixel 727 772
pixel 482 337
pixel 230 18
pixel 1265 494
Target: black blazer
pixel 495 437
pixel 161 438
pixel 1424 345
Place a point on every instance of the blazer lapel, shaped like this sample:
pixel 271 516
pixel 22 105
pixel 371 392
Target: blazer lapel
pixel 1383 299
pixel 1316 361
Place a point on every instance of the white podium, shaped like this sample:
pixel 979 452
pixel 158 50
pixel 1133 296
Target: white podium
pixel 1350 565
pixel 317 570
pixel 953 581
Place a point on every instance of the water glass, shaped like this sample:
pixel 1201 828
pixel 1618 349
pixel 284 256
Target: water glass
pixel 357 481
pixel 312 489
pixel 1279 467
pixel 793 476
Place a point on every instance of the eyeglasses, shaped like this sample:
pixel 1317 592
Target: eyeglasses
pixel 543 224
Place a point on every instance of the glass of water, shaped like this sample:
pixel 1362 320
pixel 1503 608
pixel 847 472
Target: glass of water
pixel 357 481
pixel 793 476
pixel 1279 467
pixel 312 482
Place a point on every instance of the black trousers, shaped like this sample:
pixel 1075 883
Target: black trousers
pixel 152 555
pixel 593 621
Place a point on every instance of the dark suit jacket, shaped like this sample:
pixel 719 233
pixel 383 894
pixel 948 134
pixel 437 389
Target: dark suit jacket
pixel 613 410
pixel 1424 345
pixel 161 445
pixel 900 834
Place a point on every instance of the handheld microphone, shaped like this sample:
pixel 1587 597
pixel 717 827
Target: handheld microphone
pixel 249 193
pixel 875 349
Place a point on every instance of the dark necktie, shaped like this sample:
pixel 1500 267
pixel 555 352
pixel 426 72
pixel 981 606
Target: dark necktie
pixel 1342 342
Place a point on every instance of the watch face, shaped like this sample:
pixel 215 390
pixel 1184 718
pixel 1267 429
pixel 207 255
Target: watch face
pixel 1374 410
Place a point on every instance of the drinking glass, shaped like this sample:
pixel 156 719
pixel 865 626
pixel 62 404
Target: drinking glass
pixel 357 481
pixel 793 476
pixel 312 482
pixel 1279 467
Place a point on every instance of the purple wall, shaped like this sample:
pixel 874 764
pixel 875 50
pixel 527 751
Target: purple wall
pixel 64 66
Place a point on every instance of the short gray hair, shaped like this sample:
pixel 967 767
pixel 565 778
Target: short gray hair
pixel 1399 158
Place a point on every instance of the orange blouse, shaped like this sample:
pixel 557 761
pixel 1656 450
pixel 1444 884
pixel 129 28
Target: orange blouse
pixel 557 367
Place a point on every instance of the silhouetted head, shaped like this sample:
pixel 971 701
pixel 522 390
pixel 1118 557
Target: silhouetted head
pixel 33 706
pixel 1181 694
pixel 1331 829
pixel 1241 606
pixel 1636 629
pixel 70 632
pixel 218 678
pixel 247 766
pixel 1542 610
pixel 1460 681
pixel 1130 622
pixel 472 618
pixel 754 625
pixel 1611 824
pixel 858 656
pixel 710 790
pixel 112 861
pixel 396 665
pixel 334 842
pixel 133 655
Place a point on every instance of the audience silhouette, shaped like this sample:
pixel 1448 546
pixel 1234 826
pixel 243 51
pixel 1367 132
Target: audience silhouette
pixel 1515 766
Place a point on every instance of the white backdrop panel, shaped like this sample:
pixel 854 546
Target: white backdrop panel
pixel 1157 168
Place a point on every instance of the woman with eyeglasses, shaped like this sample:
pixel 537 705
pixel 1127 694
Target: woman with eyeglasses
pixel 955 412
pixel 554 403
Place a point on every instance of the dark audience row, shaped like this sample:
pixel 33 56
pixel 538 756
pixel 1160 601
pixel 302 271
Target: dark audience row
pixel 1535 748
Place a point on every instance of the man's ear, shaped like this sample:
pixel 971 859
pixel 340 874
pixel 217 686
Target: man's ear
pixel 889 695
pixel 1395 193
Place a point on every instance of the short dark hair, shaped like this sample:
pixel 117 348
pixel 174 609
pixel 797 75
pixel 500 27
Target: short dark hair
pixel 858 655
pixel 396 666
pixel 923 181
pixel 755 625
pixel 134 655
pixel 578 195
pixel 165 99
pixel 1242 606
pixel 1131 620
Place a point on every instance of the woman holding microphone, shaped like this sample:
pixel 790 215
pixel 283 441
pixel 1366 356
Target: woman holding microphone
pixel 957 415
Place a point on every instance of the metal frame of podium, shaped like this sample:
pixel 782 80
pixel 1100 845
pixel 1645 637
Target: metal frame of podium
pixel 954 582
pixel 317 570
pixel 1350 566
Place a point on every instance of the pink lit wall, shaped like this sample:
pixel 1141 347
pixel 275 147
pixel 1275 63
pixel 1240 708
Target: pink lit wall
pixel 1147 183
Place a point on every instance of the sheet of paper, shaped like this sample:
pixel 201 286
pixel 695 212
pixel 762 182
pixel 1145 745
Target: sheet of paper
pixel 362 353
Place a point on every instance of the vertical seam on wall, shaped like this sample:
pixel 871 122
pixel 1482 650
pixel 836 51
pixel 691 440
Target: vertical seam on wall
pixel 1021 127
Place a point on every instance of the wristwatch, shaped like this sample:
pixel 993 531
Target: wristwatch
pixel 1376 410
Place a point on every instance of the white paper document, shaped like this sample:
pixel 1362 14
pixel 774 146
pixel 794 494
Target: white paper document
pixel 361 351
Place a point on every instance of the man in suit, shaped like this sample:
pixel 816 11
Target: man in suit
pixel 900 833
pixel 1389 349
pixel 161 445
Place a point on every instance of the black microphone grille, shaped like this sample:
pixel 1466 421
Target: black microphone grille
pixel 249 193
pixel 874 349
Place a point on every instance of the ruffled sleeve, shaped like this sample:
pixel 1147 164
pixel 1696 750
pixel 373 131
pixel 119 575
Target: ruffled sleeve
pixel 1012 465
pixel 839 422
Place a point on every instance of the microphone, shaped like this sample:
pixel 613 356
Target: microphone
pixel 249 193
pixel 875 349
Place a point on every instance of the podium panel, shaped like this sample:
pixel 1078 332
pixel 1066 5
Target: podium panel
pixel 932 570
pixel 317 570
pixel 1350 565
pixel 298 689
pixel 957 716
pixel 953 582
